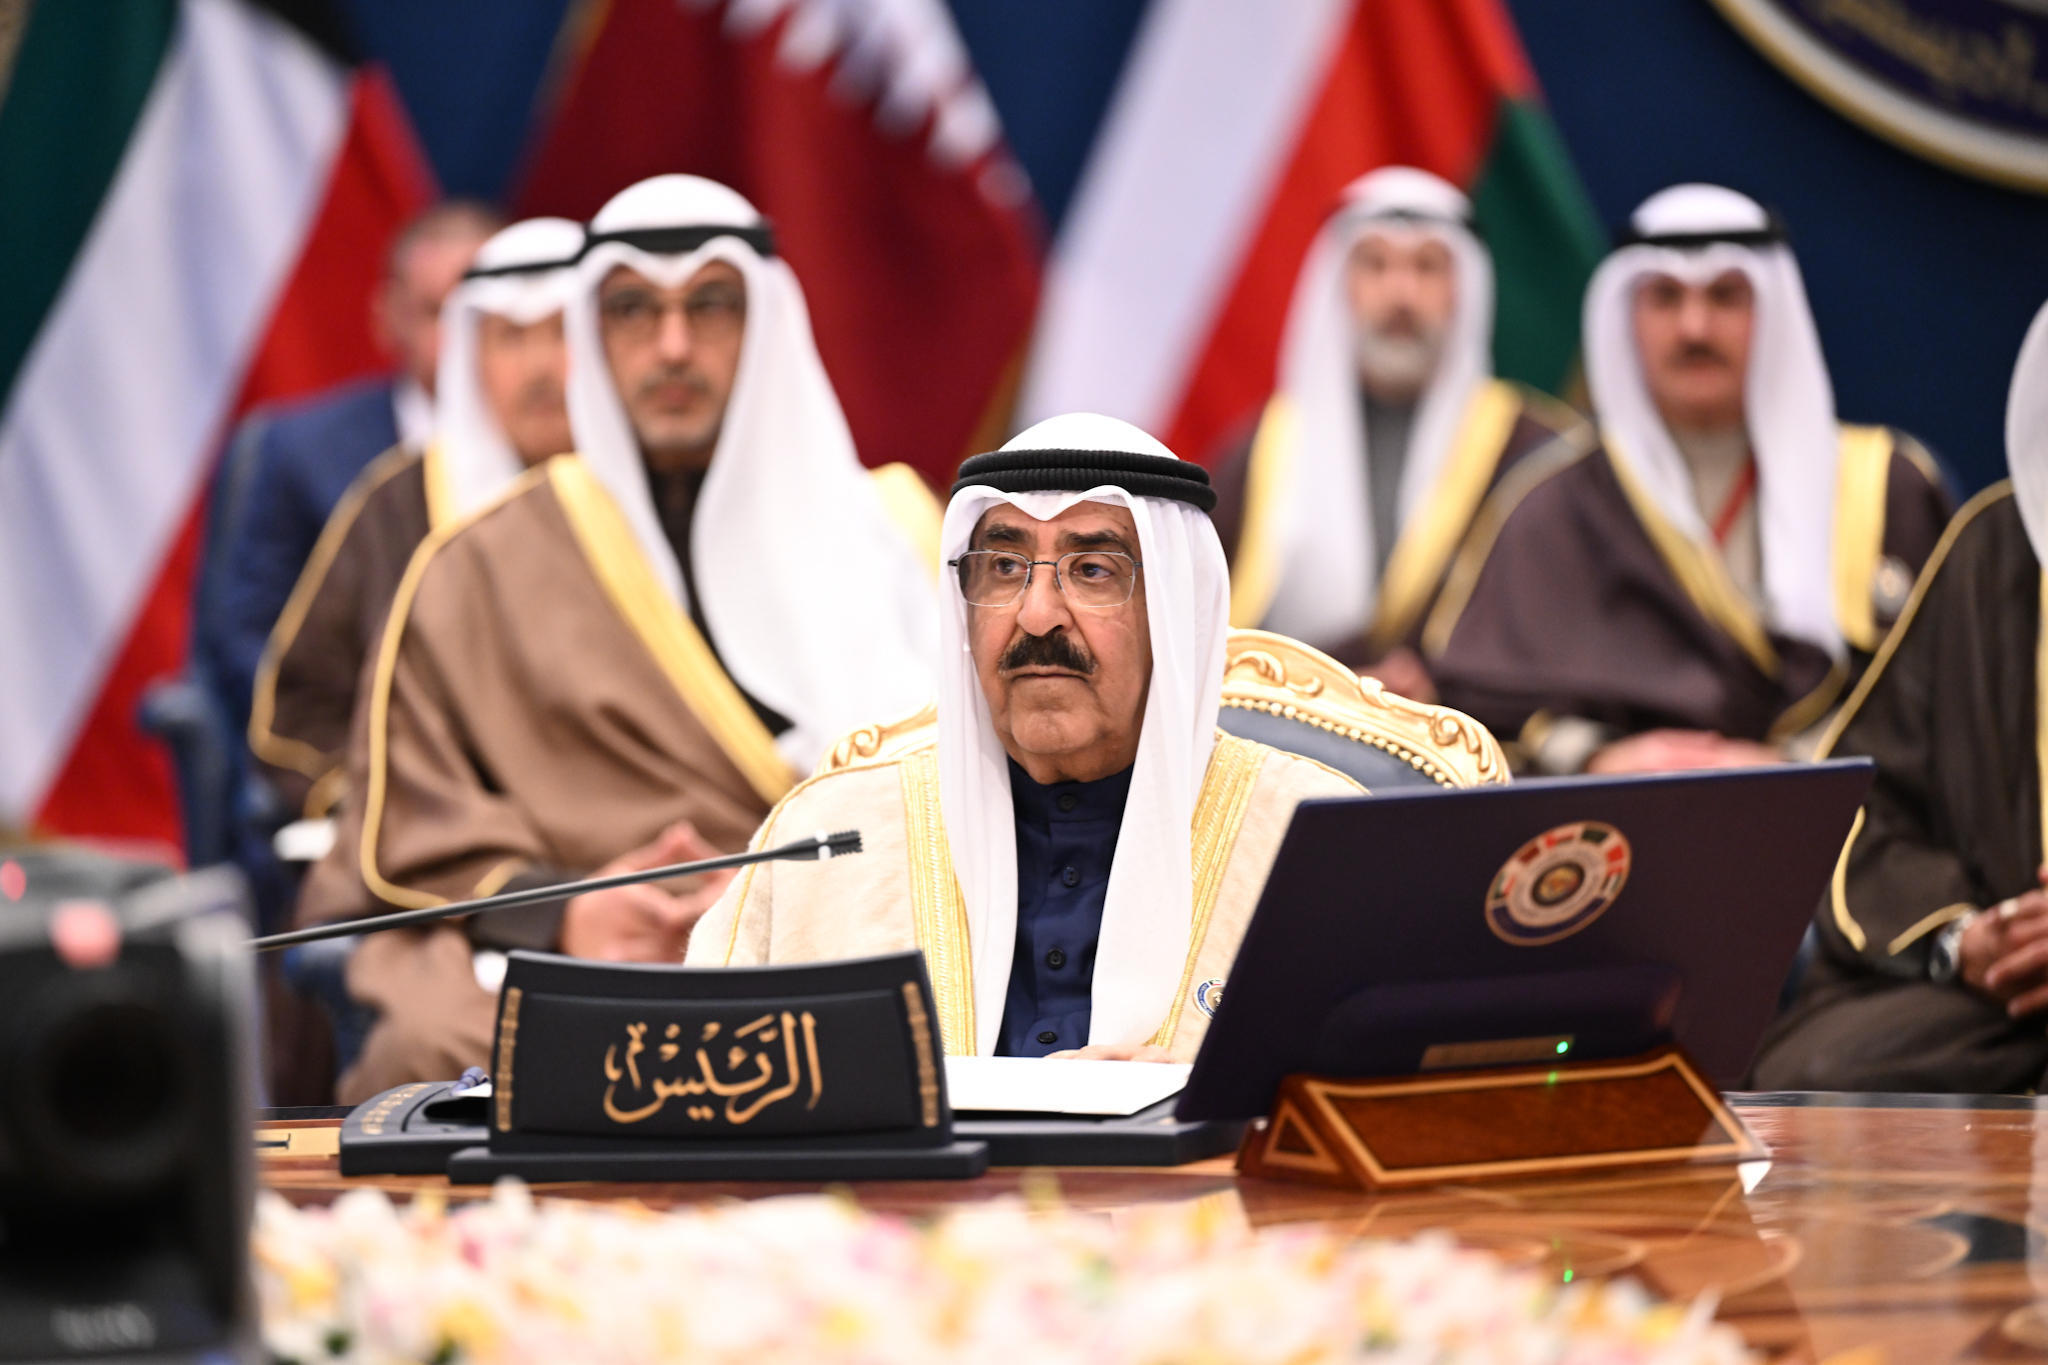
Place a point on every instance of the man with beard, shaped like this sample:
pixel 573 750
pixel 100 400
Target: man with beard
pixel 1388 430
pixel 1932 973
pixel 498 409
pixel 627 657
pixel 1701 589
pixel 1075 846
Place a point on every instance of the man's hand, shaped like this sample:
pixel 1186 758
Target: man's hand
pixel 649 922
pixel 1667 751
pixel 1404 674
pixel 2004 952
pixel 1112 1052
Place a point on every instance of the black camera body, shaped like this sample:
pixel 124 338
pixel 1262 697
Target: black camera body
pixel 126 1150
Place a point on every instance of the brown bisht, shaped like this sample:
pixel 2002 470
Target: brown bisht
pixel 538 705
pixel 1503 423
pixel 1951 711
pixel 1574 597
pixel 307 682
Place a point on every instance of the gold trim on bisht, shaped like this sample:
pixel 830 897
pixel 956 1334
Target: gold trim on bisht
pixel 937 908
pixel 1838 888
pixel 1255 571
pixel 1284 677
pixel 282 751
pixel 1219 814
pixel 1862 479
pixel 1535 469
pixel 1424 547
pixel 1425 544
pixel 380 694
pixel 1700 571
pixel 1966 514
pixel 439 482
pixel 665 628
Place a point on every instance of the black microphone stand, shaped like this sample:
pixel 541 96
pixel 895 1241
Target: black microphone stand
pixel 821 847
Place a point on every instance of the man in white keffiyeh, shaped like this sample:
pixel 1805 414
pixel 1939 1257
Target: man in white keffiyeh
pixel 1932 969
pixel 1386 430
pixel 1702 588
pixel 498 409
pixel 1073 844
pixel 626 657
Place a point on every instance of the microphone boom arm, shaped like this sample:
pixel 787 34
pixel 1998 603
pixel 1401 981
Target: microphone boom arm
pixel 820 847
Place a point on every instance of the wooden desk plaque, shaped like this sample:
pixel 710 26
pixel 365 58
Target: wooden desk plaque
pixel 603 1071
pixel 1501 1123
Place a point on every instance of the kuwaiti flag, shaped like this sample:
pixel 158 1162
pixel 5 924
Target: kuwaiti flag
pixel 1231 132
pixel 861 129
pixel 194 198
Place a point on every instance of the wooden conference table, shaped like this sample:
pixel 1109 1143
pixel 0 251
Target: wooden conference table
pixel 1903 1229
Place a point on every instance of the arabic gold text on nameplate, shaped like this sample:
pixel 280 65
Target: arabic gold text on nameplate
pixel 713 1069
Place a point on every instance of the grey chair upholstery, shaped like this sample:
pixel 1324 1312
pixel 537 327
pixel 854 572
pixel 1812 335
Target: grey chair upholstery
pixel 1279 691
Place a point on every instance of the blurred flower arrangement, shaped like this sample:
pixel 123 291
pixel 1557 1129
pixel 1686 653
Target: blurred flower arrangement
pixel 816 1279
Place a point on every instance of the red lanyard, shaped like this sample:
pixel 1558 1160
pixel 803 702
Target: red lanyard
pixel 1738 499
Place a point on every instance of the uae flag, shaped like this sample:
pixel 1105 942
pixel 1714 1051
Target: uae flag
pixel 860 128
pixel 196 197
pixel 1225 146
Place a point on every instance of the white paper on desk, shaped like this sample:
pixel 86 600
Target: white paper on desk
pixel 1036 1085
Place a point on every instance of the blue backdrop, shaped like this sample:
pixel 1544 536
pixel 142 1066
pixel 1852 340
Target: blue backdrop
pixel 1923 280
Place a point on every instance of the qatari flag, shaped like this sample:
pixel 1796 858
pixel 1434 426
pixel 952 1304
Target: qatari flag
pixel 862 131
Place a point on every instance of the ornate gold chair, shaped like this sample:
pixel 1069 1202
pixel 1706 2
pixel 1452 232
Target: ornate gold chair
pixel 1279 691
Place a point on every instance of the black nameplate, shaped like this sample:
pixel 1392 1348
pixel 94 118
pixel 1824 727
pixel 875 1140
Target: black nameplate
pixel 642 1053
pixel 714 1069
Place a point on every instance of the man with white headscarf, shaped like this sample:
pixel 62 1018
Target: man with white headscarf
pixel 626 658
pixel 1387 431
pixel 1932 969
pixel 498 409
pixel 1074 845
pixel 1701 589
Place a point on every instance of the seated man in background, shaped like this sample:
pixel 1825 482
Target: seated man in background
pixel 1077 848
pixel 498 409
pixel 631 655
pixel 1343 513
pixel 309 453
pixel 1700 590
pixel 1932 973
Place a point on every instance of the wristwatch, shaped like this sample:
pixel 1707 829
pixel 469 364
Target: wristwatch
pixel 1945 959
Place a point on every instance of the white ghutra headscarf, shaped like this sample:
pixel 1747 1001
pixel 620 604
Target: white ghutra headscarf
pixel 1328 581
pixel 1695 233
pixel 818 606
pixel 2026 434
pixel 524 273
pixel 1147 913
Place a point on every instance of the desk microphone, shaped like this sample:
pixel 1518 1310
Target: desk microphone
pixel 819 847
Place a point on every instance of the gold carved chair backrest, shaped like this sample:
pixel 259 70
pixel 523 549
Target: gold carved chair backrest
pixel 1281 692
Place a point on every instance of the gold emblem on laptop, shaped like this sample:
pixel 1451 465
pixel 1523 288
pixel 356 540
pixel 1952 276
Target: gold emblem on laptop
pixel 1558 883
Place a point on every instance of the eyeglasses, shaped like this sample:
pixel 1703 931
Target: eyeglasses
pixel 712 313
pixel 1089 578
